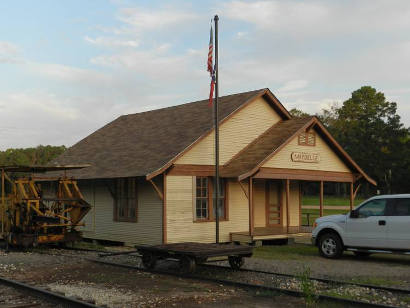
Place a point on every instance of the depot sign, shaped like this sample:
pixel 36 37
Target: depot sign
pixel 305 157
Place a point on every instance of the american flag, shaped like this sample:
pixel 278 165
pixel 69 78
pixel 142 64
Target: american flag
pixel 210 66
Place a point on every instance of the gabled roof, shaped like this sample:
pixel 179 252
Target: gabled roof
pixel 251 158
pixel 145 143
pixel 269 142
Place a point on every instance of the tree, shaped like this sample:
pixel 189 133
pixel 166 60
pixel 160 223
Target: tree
pixel 369 129
pixel 297 113
pixel 40 155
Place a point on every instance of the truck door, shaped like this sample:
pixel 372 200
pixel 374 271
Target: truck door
pixel 369 228
pixel 398 224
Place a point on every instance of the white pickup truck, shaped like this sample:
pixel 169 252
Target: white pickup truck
pixel 379 224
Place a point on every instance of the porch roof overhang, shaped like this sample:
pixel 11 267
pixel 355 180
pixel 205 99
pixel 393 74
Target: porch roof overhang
pixel 305 175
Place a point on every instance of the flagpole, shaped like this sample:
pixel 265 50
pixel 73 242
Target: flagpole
pixel 216 116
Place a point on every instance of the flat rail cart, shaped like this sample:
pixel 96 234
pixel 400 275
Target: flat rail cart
pixel 190 254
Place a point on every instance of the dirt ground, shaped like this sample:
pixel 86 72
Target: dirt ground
pixel 66 272
pixel 118 287
pixel 380 269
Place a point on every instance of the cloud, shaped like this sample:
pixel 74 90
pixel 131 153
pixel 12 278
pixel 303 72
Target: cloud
pixel 320 18
pixel 155 19
pixel 111 42
pixel 9 52
pixel 69 73
pixel 293 85
pixel 154 63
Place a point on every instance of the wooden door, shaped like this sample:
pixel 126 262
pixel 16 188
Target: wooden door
pixel 273 204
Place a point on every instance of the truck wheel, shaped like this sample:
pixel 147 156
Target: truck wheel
pixel 236 262
pixel 330 246
pixel 149 260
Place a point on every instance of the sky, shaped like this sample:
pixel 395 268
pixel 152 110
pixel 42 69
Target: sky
pixel 69 67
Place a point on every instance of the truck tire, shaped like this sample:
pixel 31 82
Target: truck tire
pixel 330 246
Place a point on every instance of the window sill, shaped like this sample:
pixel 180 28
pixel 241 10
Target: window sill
pixel 125 220
pixel 209 220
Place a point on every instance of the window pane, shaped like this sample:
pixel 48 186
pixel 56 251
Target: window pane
pixel 126 199
pixel 373 208
pixel 221 208
pixel 221 187
pixel 201 204
pixel 131 212
pixel 402 207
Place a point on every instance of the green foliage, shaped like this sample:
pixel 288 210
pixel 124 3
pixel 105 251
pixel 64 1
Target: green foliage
pixel 297 113
pixel 307 287
pixel 369 129
pixel 285 252
pixel 40 155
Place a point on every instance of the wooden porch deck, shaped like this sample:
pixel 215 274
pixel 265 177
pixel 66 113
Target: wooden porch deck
pixel 272 233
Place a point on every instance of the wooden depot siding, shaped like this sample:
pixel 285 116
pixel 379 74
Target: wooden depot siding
pixel 101 225
pixel 329 161
pixel 236 133
pixel 294 203
pixel 180 213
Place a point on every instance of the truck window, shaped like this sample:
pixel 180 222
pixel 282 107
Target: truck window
pixel 373 208
pixel 401 207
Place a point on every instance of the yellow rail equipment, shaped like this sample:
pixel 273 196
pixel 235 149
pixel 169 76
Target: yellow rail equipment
pixel 31 216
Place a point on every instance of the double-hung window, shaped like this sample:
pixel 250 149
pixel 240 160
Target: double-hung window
pixel 205 207
pixel 202 198
pixel 221 201
pixel 126 201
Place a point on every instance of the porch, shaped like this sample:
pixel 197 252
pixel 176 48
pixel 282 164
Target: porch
pixel 275 202
pixel 270 233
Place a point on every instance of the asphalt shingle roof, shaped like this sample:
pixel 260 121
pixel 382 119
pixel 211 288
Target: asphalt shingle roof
pixel 141 143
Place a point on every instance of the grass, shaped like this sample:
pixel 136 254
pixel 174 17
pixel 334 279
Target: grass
pixel 285 252
pixel 88 245
pixel 329 200
pixel 313 214
pixel 376 281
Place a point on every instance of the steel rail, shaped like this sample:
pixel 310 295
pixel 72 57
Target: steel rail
pixel 46 295
pixel 324 280
pixel 245 285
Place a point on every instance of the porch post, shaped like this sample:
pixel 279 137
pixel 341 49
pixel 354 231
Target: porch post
pixel 351 196
pixel 250 200
pixel 321 199
pixel 287 205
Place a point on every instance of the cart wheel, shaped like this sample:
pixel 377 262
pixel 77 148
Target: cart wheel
pixel 149 260
pixel 187 265
pixel 236 262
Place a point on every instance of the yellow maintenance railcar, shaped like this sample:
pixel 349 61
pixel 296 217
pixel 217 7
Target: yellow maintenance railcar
pixel 39 210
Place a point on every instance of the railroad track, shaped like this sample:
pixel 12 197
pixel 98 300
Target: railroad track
pixel 331 282
pixel 22 295
pixel 324 280
pixel 320 297
pixel 287 291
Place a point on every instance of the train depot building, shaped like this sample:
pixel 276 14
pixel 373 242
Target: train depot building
pixel 151 174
